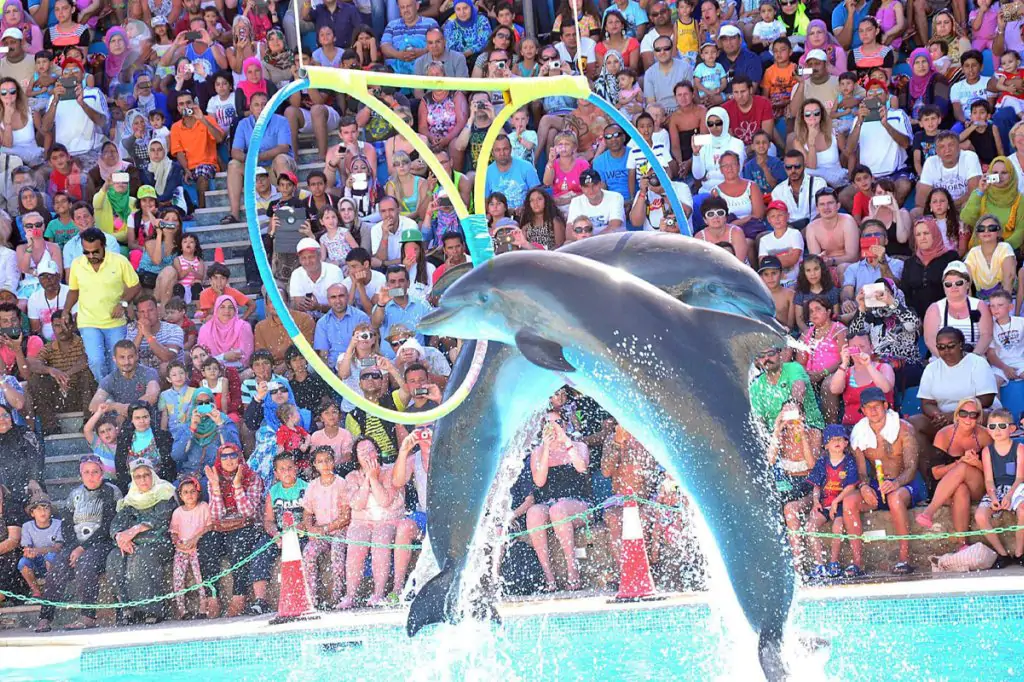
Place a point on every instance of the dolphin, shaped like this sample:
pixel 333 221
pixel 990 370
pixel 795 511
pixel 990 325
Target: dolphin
pixel 475 436
pixel 672 374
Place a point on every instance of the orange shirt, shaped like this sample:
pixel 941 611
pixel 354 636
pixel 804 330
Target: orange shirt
pixel 196 143
pixel 208 297
pixel 777 85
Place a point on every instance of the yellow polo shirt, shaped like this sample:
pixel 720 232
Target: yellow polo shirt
pixel 99 291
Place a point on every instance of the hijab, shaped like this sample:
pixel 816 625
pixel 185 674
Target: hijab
pixel 159 170
pixel 830 44
pixel 472 16
pixel 1003 197
pixel 206 431
pixel 248 88
pixel 938 246
pixel 141 501
pixel 25 26
pixel 606 84
pixel 720 143
pixel 270 407
pixel 283 60
pixel 919 84
pixel 112 65
pixel 107 171
pixel 220 337
pixel 120 202
pixel 227 483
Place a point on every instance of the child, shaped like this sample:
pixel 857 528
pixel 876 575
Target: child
pixel 938 50
pixel 175 313
pixel 782 242
pixel 834 478
pixel 43 80
pixel 174 402
pixel 41 542
pixel 528 66
pixel 157 122
pixel 214 379
pixel 674 544
pixel 983 137
pixel 61 229
pixel 923 144
pixel 1010 82
pixel 191 269
pixel 984 23
pixel 709 76
pixel 286 495
pixel 291 437
pixel 769 29
pixel 327 513
pixel 524 142
pixel 189 523
pixel 101 434
pixel 505 15
pixel 891 18
pixel 864 181
pixel 847 104
pixel 687 32
pixel 631 97
pixel 780 78
pixel 761 168
pixel 1003 463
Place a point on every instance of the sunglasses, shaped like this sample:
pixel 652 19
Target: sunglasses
pixel 788 3
pixel 715 213
pixel 869 235
pixel 90 458
pixel 31 226
pixel 8 91
pixel 663 49
pixel 988 228
pixel 714 124
pixel 582 230
pixel 229 454
pixel 813 114
pixel 956 283
pixel 794 166
pixel 999 427
pixel 612 136
pixel 947 346
pixel 278 390
pixel 768 353
pixel 396 343
pixel 210 402
pixel 376 376
pixel 968 414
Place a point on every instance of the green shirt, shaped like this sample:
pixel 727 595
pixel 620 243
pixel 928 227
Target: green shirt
pixel 60 233
pixel 766 398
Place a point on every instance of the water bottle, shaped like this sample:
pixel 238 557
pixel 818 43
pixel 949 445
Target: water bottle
pixel 880 476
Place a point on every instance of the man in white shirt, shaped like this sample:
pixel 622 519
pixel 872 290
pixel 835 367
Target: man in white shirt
pixel 384 236
pixel 77 123
pixel 883 143
pixel 309 283
pixel 363 282
pixel 605 209
pixel 47 298
pixel 798 190
pixel 587 49
pixel 955 170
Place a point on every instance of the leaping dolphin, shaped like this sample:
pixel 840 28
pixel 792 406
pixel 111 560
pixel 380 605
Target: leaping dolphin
pixel 674 375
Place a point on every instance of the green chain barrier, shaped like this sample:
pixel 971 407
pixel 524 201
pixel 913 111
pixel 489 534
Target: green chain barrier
pixel 912 536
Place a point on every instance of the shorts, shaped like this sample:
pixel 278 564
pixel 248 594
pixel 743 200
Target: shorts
pixel 754 227
pixel 205 170
pixel 902 174
pixel 826 511
pixel 38 564
pixel 792 488
pixel 1001 490
pixel 917 489
pixel 421 520
pixel 333 120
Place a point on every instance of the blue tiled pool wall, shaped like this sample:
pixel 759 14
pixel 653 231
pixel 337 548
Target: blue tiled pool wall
pixel 384 645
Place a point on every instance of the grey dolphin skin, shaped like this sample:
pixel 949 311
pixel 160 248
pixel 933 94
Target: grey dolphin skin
pixel 673 375
pixel 473 438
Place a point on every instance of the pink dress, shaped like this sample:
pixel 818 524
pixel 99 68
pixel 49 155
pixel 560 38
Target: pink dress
pixel 186 523
pixel 323 501
pixel 886 17
pixel 983 37
pixel 823 353
pixel 569 181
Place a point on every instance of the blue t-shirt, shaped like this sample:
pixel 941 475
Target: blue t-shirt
pixel 278 132
pixel 513 183
pixel 613 172
pixel 402 37
pixel 635 16
pixel 832 479
pixel 839 15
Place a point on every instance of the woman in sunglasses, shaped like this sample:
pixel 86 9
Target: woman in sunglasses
pixel 959 310
pixel 958 468
pixel 261 418
pixel 1000 199
pixel 991 264
pixel 717 229
pixel 363 351
pixel 706 157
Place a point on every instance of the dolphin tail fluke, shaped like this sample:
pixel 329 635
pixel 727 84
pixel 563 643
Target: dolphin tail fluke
pixel 769 653
pixel 436 601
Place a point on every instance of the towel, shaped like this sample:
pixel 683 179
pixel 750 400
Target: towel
pixel 862 437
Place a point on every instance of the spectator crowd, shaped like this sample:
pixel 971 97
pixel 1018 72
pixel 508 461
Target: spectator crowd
pixel 865 158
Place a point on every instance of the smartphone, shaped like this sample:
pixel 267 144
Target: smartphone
pixel 874 107
pixel 873 295
pixel 702 140
pixel 420 392
pixel 806 72
pixel 444 202
pixel 12 332
pixel 359 182
pixel 866 243
pixel 992 178
pixel 397 292
pixel 881 200
pixel 192 36
pixel 365 362
pixel 120 177
pixel 167 225
pixel 69 88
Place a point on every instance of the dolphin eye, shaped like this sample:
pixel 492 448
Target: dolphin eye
pixel 484 297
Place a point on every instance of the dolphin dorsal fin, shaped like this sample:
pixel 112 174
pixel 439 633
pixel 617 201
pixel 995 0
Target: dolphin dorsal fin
pixel 542 352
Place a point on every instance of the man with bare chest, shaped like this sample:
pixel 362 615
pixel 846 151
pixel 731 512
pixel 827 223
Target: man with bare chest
pixel 633 471
pixel 833 235
pixel 770 269
pixel 881 436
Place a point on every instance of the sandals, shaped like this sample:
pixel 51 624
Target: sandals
pixel 228 219
pixel 902 568
pixel 79 625
pixel 854 571
pixel 833 569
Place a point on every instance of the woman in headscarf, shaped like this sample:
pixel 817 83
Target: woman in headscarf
pixel 922 273
pixel 1001 199
pixel 251 83
pixel 927 86
pixel 819 38
pixel 705 158
pixel 946 29
pixel 113 205
pixel 606 85
pixel 15 16
pixel 261 419
pixel 203 429
pixel 892 328
pixel 22 469
pixel 140 438
pixel 135 145
pixel 226 335
pixel 138 565
pixel 992 263
pixel 166 176
pixel 278 60
pixel 466 30
pixel 116 40
pixel 146 98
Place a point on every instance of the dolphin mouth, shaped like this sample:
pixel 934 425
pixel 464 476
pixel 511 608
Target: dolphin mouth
pixel 435 317
pixel 774 324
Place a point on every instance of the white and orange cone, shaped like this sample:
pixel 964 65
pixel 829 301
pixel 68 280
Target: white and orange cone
pixel 635 580
pixel 294 602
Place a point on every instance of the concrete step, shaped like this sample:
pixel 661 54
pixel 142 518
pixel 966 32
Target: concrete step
pixel 62 466
pixel 63 444
pixel 210 235
pixel 18 616
pixel 71 422
pixel 220 180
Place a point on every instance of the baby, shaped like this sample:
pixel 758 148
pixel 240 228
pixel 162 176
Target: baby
pixel 769 29
pixel 847 103
pixel 709 76
pixel 1010 82
pixel 631 97
pixel 43 80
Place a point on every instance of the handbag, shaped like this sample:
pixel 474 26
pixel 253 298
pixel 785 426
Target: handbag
pixel 976 557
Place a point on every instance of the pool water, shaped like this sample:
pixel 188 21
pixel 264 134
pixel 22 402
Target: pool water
pixel 951 638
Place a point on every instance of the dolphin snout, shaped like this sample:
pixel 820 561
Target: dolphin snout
pixel 428 323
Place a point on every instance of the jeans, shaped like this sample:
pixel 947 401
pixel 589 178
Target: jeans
pixel 99 347
pixel 381 16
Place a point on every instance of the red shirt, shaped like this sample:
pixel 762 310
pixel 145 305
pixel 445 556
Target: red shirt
pixel 744 125
pixel 861 205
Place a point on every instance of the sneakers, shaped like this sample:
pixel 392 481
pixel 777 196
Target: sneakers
pixel 259 607
pixel 818 572
pixel 854 571
pixel 833 569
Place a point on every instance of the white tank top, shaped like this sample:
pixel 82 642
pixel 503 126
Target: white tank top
pixel 738 206
pixel 970 329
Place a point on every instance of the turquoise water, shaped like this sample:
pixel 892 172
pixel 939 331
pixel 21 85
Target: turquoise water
pixel 939 638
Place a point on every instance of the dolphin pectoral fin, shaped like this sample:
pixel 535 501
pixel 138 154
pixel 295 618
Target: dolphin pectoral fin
pixel 542 352
pixel 431 604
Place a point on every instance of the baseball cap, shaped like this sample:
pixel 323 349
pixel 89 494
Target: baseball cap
pixel 13 33
pixel 47 267
pixel 957 266
pixel 146 192
pixel 817 54
pixel 291 176
pixel 769 263
pixel 872 394
pixel 306 244
pixel 411 234
pixel 777 205
pixel 260 170
pixel 397 330
pixel 835 431
pixel 590 177
pixel 729 31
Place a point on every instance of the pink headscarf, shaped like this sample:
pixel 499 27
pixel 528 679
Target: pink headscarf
pixel 33 36
pixel 919 84
pixel 221 337
pixel 248 87
pixel 112 65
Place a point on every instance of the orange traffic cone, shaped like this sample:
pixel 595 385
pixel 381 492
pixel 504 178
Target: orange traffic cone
pixel 635 580
pixel 218 255
pixel 293 602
